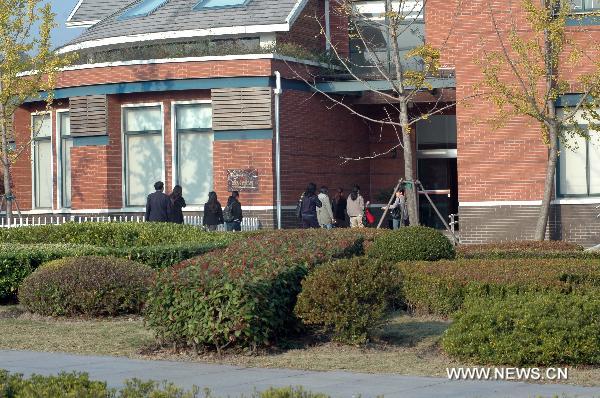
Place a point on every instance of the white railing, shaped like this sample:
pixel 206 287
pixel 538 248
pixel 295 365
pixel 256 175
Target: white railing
pixel 248 224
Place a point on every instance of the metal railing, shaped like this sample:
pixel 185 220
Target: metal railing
pixel 453 223
pixel 248 224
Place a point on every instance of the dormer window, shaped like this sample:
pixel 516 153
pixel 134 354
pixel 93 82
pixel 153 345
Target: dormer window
pixel 142 9
pixel 211 4
pixel 585 5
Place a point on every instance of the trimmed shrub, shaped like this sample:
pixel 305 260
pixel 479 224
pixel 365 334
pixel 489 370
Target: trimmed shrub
pixel 523 249
pixel 92 286
pixel 527 330
pixel 412 244
pixel 18 261
pixel 441 288
pixel 349 297
pixel 114 234
pixel 243 295
pixel 79 385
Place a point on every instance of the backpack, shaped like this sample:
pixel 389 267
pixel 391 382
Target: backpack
pixel 396 213
pixel 228 214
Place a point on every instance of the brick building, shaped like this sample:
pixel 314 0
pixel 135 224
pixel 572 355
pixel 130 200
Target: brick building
pixel 185 91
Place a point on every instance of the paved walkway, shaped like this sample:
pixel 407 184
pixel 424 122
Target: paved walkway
pixel 234 381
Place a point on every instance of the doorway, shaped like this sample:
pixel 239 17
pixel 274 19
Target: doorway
pixel 437 168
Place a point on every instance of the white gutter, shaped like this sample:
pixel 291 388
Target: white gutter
pixel 278 91
pixel 327 27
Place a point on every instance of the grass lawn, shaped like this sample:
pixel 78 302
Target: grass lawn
pixel 406 345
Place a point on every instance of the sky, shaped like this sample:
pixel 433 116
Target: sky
pixel 62 34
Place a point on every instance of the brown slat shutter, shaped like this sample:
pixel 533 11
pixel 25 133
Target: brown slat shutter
pixel 88 115
pixel 242 109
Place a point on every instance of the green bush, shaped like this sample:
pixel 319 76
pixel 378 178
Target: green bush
pixel 18 261
pixel 92 286
pixel 523 249
pixel 349 297
pixel 79 385
pixel 412 244
pixel 529 329
pixel 441 288
pixel 114 234
pixel 243 295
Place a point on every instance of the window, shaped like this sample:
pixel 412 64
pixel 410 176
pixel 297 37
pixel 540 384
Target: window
pixel 42 160
pixel 143 147
pixel 579 166
pixel 585 5
pixel 220 3
pixel 142 9
pixel 194 157
pixel 65 145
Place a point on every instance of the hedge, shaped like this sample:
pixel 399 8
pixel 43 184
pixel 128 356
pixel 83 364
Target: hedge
pixel 88 285
pixel 534 329
pixel 79 385
pixel 115 234
pixel 524 249
pixel 412 244
pixel 243 295
pixel 441 288
pixel 18 261
pixel 349 297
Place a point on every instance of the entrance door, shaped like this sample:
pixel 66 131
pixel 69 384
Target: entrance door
pixel 437 168
pixel 439 177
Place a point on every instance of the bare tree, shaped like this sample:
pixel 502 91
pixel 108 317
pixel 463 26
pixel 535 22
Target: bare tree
pixel 524 77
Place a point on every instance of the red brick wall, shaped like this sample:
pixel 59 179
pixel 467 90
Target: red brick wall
pixel 315 135
pixel 339 26
pixel 308 29
pixel 494 164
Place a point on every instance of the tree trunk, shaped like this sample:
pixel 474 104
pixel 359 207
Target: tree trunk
pixel 5 161
pixel 542 222
pixel 409 172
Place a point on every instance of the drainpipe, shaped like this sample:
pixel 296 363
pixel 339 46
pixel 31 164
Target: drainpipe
pixel 327 27
pixel 277 92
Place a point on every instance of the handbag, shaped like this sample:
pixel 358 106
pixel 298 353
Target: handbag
pixel 369 216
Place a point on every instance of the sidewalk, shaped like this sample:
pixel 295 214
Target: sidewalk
pixel 232 381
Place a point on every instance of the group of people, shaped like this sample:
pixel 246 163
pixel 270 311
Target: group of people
pixel 319 211
pixel 161 207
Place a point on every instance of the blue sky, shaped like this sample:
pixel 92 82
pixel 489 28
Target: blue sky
pixel 62 9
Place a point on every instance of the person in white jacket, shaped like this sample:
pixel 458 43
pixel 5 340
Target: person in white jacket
pixel 325 213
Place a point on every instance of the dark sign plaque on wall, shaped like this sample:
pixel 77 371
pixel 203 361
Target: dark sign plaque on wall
pixel 242 180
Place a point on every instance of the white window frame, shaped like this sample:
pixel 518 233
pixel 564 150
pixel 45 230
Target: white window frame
pixel 174 152
pixel 59 159
pixel 124 149
pixel 33 177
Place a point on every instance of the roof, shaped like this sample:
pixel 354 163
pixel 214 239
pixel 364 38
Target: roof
pixel 176 19
pixel 89 12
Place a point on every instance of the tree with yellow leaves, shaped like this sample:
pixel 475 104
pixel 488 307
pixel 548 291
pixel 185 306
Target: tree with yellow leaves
pixel 28 67
pixel 526 76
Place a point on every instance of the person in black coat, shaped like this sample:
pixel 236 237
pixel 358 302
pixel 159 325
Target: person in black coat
pixel 177 205
pixel 213 212
pixel 233 214
pixel 308 207
pixel 158 204
pixel 339 208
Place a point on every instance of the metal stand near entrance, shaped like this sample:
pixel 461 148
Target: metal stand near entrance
pixel 420 190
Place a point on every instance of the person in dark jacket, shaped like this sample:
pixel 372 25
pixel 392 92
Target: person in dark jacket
pixel 177 205
pixel 213 212
pixel 339 208
pixel 158 204
pixel 308 207
pixel 233 213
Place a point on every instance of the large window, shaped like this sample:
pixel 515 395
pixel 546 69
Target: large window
pixel 143 141
pixel 42 160
pixel 579 166
pixel 194 155
pixel 65 145
pixel 585 5
pixel 142 9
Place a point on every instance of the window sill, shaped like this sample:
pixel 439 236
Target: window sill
pixel 585 18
